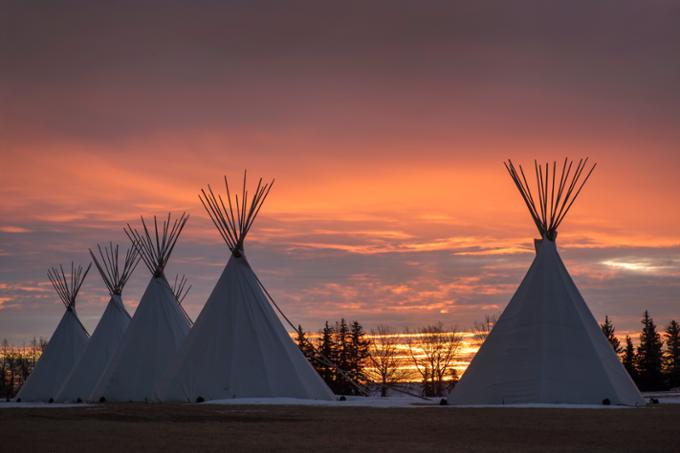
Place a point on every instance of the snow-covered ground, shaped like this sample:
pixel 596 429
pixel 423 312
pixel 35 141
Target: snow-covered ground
pixel 353 401
pixel 392 402
pixel 408 401
pixel 15 405
pixel 543 406
pixel 371 401
pixel 672 397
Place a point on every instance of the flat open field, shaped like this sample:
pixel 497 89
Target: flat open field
pixel 165 428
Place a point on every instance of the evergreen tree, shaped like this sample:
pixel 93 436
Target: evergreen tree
pixel 328 352
pixel 629 359
pixel 343 361
pixel 609 331
pixel 649 356
pixel 347 349
pixel 342 344
pixel 358 354
pixel 672 355
pixel 305 345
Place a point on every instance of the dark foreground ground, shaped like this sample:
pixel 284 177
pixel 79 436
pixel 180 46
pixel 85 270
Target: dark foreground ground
pixel 163 428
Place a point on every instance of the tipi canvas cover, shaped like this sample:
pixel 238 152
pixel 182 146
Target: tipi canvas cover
pixel 238 348
pixel 547 347
pixel 110 329
pixel 157 328
pixel 66 344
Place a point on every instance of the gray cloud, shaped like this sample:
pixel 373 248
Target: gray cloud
pixel 442 70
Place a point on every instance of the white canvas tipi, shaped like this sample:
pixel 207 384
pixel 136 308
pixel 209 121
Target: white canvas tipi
pixel 238 348
pixel 157 328
pixel 66 344
pixel 110 329
pixel 547 347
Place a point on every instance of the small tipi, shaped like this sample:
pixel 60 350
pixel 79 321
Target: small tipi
pixel 66 344
pixel 110 329
pixel 547 347
pixel 238 347
pixel 157 328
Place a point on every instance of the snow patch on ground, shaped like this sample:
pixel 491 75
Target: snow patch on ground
pixel 37 405
pixel 664 397
pixel 542 406
pixel 393 402
pixel 371 401
pixel 407 401
pixel 351 401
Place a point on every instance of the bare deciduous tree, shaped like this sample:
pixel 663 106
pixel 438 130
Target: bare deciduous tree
pixel 16 363
pixel 483 328
pixel 387 367
pixel 433 351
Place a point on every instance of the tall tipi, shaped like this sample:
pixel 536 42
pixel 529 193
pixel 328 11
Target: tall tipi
pixel 66 344
pixel 110 329
pixel 547 347
pixel 158 326
pixel 238 348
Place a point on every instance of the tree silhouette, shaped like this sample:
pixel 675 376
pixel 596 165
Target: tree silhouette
pixel 327 349
pixel 358 354
pixel 610 332
pixel 433 355
pixel 305 345
pixel 387 365
pixel 672 354
pixel 649 356
pixel 483 329
pixel 629 359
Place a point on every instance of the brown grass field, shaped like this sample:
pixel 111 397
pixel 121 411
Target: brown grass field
pixel 167 428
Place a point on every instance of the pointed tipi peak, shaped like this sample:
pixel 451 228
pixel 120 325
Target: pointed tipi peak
pixel 544 245
pixel 115 277
pixel 156 247
pixel 554 193
pixel 68 288
pixel 235 218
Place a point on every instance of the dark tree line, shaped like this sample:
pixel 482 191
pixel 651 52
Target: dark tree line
pixel 344 355
pixel 346 347
pixel 16 363
pixel 655 363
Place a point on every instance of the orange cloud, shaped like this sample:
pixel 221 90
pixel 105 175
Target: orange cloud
pixel 13 229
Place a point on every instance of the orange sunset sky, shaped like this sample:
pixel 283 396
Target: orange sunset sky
pixel 385 126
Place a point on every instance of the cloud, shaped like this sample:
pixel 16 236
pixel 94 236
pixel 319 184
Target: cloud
pixel 385 130
pixel 13 229
pixel 4 301
pixel 645 265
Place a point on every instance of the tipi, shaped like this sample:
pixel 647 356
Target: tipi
pixel 157 328
pixel 110 329
pixel 66 344
pixel 547 347
pixel 238 348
